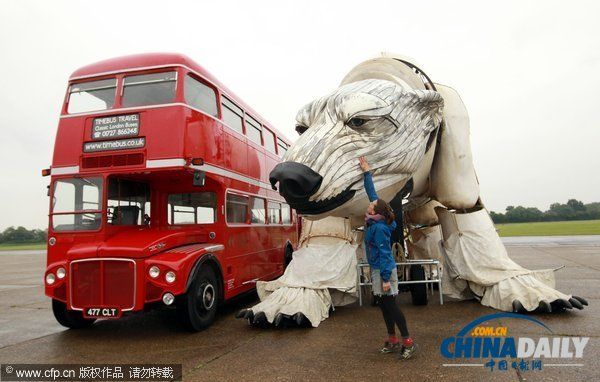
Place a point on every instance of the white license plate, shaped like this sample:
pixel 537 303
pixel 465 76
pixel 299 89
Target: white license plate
pixel 93 312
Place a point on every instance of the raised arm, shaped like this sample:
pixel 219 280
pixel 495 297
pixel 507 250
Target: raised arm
pixel 369 186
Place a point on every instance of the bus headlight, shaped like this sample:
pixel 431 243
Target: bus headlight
pixel 61 273
pixel 170 277
pixel 168 298
pixel 154 271
pixel 50 279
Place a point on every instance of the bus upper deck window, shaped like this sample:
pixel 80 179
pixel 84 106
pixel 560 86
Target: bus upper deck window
pixel 269 140
pixel 232 115
pixel 281 147
pixel 253 130
pixel 149 89
pixel 92 96
pixel 200 96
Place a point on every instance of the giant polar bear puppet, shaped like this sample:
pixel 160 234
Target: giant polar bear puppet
pixel 415 135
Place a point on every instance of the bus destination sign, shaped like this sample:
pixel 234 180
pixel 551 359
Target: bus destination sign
pixel 118 144
pixel 117 126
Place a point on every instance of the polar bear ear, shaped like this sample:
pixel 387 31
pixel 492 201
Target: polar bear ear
pixel 430 97
pixel 432 105
pixel 427 103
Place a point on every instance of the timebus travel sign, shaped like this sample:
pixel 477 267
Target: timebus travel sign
pixel 118 126
pixel 125 128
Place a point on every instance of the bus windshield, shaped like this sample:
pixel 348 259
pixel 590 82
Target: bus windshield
pixel 149 89
pixel 76 204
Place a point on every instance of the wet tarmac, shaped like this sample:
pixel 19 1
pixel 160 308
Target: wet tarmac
pixel 344 347
pixel 586 240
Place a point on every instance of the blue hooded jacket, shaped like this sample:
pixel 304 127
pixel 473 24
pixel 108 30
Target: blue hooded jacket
pixel 378 238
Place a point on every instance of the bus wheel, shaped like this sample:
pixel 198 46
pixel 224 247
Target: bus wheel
pixel 198 307
pixel 287 258
pixel 418 292
pixel 71 319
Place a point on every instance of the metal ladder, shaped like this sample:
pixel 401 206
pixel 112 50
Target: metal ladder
pixel 429 278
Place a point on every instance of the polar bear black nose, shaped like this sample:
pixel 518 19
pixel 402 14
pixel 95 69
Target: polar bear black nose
pixel 297 182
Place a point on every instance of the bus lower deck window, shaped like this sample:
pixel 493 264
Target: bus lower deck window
pixel 128 202
pixel 274 213
pixel 258 211
pixel 237 208
pixel 286 214
pixel 192 208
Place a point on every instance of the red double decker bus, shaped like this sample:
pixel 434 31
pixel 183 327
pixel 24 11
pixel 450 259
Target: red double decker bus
pixel 159 194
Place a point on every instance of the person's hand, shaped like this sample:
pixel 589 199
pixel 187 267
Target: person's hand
pixel 386 286
pixel 364 165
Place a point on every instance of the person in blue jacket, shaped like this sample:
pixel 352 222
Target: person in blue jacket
pixel 379 225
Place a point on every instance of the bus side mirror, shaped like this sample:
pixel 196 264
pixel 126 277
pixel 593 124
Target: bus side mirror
pixel 199 178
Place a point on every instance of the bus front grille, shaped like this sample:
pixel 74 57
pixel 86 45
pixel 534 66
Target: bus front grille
pixel 103 283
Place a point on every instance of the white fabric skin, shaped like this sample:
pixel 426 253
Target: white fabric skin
pixel 474 253
pixel 425 244
pixel 529 289
pixel 400 112
pixel 305 286
pixel 453 179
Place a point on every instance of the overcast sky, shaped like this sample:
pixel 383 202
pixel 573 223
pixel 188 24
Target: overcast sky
pixel 529 73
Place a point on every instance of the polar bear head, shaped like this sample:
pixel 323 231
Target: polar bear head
pixel 376 118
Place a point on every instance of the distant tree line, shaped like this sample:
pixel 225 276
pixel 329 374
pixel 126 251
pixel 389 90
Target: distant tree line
pixel 20 235
pixel 572 210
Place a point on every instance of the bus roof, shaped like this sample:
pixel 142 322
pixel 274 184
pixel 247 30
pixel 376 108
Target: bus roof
pixel 157 60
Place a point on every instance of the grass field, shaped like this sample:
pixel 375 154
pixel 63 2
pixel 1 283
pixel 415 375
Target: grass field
pixel 17 247
pixel 567 228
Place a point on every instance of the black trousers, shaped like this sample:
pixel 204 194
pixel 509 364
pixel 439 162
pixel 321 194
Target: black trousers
pixel 392 315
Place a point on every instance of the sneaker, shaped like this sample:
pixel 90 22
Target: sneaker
pixel 390 347
pixel 408 351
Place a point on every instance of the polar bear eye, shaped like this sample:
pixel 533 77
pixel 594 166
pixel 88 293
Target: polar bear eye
pixel 356 122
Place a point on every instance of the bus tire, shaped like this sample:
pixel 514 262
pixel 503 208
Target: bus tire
pixel 197 308
pixel 287 257
pixel 72 319
pixel 418 292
